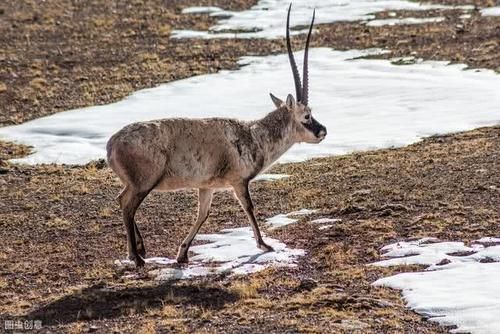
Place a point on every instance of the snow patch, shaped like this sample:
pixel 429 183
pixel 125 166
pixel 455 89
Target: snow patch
pixel 326 220
pixel 201 10
pixel 233 251
pixel 267 19
pixel 406 20
pixel 458 288
pixel 364 103
pixel 491 11
pixel 324 227
pixel 489 240
pixel 284 219
pixel 270 177
pixel 301 212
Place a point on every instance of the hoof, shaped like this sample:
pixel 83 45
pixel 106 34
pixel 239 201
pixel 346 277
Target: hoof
pixel 182 259
pixel 142 252
pixel 138 260
pixel 265 247
pixel 182 254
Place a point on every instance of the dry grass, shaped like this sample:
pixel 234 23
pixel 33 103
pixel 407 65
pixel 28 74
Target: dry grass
pixel 245 290
pixel 58 223
pixel 444 187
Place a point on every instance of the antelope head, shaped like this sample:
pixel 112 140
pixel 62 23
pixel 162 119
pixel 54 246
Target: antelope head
pixel 307 129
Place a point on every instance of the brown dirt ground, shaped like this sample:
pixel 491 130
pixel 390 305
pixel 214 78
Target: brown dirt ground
pixel 61 228
pixel 61 231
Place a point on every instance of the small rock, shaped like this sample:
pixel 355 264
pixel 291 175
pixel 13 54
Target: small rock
pixel 487 260
pixel 395 207
pixel 443 262
pixel 307 284
pixel 386 213
pixel 352 209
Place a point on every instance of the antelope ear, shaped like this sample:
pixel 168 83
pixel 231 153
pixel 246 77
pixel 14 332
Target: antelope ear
pixel 277 102
pixel 290 101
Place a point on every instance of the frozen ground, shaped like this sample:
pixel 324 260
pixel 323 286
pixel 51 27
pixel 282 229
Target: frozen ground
pixel 364 103
pixel 459 287
pixel 267 19
pixel 233 251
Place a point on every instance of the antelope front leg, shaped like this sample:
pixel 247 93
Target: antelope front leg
pixel 243 195
pixel 204 202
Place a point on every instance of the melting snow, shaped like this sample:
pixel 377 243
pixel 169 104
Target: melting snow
pixel 201 10
pixel 270 177
pixel 364 103
pixel 406 20
pixel 324 227
pixel 301 212
pixel 267 19
pixel 326 220
pixel 284 219
pixel 232 251
pixel 491 11
pixel 489 240
pixel 460 286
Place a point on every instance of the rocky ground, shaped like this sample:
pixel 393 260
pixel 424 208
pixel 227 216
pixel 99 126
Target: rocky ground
pixel 61 228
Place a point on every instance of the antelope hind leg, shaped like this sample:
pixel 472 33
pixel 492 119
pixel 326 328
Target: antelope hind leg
pixel 130 199
pixel 139 242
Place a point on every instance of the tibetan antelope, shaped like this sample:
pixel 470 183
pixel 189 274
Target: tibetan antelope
pixel 208 154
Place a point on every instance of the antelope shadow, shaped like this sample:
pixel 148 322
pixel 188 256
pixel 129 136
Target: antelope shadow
pixel 103 302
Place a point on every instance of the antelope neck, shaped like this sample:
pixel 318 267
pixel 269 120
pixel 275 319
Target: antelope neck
pixel 274 134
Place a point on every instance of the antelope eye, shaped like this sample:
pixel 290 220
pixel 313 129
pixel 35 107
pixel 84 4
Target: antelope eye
pixel 308 116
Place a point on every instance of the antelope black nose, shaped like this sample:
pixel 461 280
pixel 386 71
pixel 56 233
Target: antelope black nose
pixel 322 132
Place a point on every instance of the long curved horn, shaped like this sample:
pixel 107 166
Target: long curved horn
pixel 305 75
pixel 295 71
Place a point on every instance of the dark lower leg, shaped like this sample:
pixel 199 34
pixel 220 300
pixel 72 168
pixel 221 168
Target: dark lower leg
pixel 243 196
pixel 139 242
pixel 133 254
pixel 130 201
